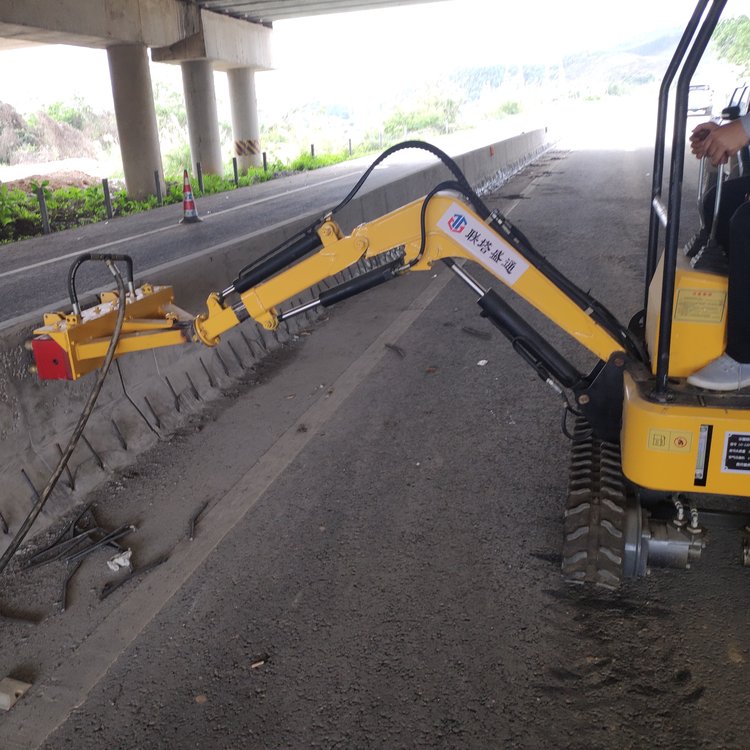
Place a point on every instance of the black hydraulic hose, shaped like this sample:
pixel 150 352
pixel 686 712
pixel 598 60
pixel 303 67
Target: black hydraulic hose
pixel 80 426
pixel 585 301
pixel 465 189
pixel 500 224
pixel 448 185
pixel 415 144
pixel 422 145
pixel 83 258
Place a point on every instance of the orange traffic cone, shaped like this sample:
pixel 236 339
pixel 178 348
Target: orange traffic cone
pixel 189 211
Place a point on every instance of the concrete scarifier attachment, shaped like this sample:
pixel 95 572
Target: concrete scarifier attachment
pixel 69 346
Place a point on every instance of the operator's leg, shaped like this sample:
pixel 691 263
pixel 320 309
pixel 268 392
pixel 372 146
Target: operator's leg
pixel 733 194
pixel 731 371
pixel 738 303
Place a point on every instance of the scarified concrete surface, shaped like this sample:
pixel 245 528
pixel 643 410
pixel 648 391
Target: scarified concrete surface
pixel 392 579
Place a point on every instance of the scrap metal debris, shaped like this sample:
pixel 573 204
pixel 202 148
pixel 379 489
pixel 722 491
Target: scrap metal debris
pixel 76 531
pixel 66 583
pixel 396 350
pixel 79 538
pixel 477 334
pixel 60 548
pixel 194 520
pixel 107 539
pixel 112 586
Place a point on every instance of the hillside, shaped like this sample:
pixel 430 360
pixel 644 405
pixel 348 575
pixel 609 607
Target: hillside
pixel 58 133
pixel 439 103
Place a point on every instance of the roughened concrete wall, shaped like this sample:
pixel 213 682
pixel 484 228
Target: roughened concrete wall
pixel 147 396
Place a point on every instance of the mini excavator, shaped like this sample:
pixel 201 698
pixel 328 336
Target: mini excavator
pixel 639 431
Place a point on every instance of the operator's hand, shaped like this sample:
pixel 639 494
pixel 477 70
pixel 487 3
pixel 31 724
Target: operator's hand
pixel 698 137
pixel 719 143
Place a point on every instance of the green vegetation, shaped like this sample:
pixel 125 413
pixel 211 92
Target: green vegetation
pixel 74 116
pixel 732 42
pixel 177 159
pixel 20 215
pixel 508 108
pixel 307 162
pixel 438 118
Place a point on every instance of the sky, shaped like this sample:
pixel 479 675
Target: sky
pixel 363 50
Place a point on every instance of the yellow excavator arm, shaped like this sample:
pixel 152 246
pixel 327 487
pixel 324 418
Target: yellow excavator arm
pixel 452 230
pixel 441 228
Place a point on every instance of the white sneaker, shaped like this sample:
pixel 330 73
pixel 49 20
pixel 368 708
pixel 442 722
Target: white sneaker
pixel 723 374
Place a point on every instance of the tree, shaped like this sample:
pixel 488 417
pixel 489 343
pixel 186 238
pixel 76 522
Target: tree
pixel 433 114
pixel 732 42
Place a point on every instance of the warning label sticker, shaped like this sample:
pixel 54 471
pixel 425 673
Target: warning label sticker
pixel 700 305
pixel 670 440
pixel 736 458
pixel 476 237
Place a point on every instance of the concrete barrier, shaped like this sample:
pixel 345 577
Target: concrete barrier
pixel 148 396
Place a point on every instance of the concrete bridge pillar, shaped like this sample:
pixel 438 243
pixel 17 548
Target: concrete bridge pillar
pixel 136 118
pixel 202 117
pixel 244 117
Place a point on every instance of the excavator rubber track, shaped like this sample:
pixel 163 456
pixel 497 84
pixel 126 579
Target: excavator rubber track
pixel 595 513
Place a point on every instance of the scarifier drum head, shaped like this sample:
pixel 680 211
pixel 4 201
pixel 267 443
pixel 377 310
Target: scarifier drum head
pixel 52 361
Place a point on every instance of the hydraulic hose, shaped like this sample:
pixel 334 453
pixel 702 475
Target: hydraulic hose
pixel 305 240
pixel 81 259
pixel 82 420
pixel 421 145
pixel 459 187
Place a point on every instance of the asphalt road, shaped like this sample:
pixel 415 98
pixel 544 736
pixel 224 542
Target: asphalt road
pixel 378 563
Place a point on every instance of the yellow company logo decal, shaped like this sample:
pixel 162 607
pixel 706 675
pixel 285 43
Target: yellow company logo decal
pixel 670 440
